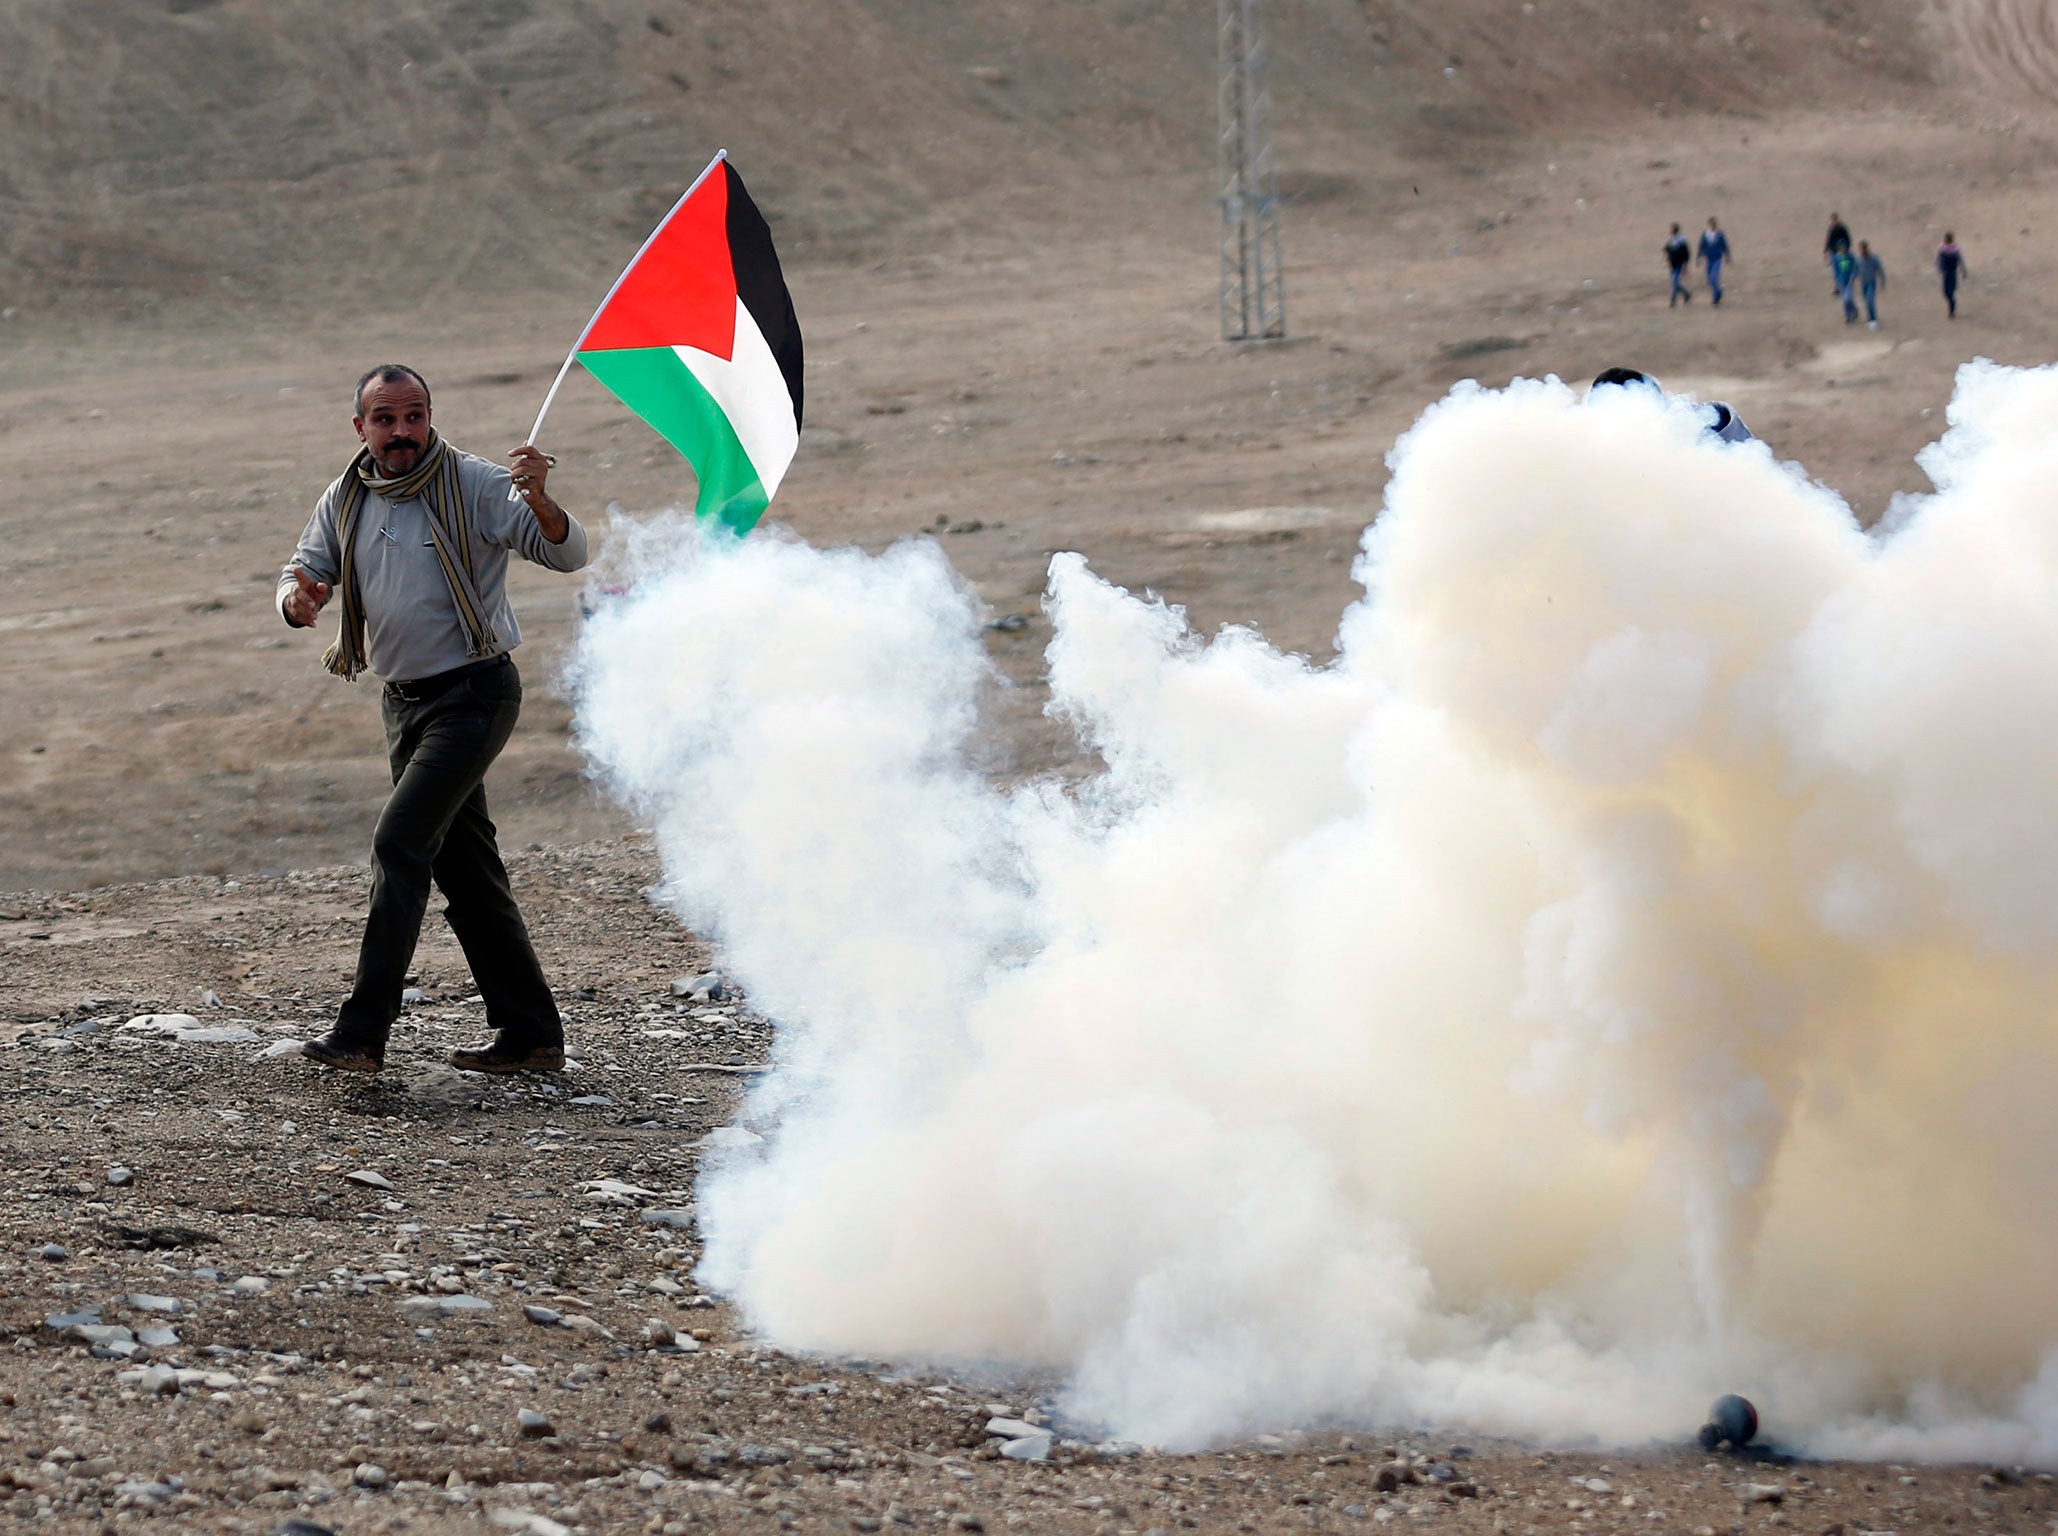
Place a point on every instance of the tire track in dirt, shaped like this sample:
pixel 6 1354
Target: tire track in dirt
pixel 2012 44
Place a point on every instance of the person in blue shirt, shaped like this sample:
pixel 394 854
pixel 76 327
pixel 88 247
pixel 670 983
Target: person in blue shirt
pixel 1678 256
pixel 1843 270
pixel 1714 252
pixel 1871 275
pixel 1950 267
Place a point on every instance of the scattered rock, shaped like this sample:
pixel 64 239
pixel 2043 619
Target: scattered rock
pixel 218 1034
pixel 161 1237
pixel 704 988
pixel 1761 1493
pixel 527 1520
pixel 446 1305
pixel 56 1253
pixel 143 1301
pixel 280 1048
pixel 370 1474
pixel 1028 1448
pixel 160 1024
pixel 730 1138
pixel 1013 1429
pixel 368 1178
pixel 680 1217
pixel 119 1177
pixel 548 1317
pixel 614 1191
pixel 412 997
pixel 534 1425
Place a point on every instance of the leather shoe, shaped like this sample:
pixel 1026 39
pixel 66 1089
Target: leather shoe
pixel 500 1055
pixel 343 1055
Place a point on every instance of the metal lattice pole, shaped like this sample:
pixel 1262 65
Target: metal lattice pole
pixel 1253 291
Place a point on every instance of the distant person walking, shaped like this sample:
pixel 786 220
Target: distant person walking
pixel 1837 242
pixel 1843 272
pixel 1950 267
pixel 1677 256
pixel 1714 252
pixel 1871 274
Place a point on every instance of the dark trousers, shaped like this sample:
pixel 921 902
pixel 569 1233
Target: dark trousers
pixel 442 735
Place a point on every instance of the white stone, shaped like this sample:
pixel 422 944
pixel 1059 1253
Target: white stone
pixel 527 1520
pixel 1028 1448
pixel 218 1034
pixel 614 1191
pixel 369 1178
pixel 160 1023
pixel 1012 1429
pixel 730 1138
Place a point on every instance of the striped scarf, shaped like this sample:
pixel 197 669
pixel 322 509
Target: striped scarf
pixel 450 529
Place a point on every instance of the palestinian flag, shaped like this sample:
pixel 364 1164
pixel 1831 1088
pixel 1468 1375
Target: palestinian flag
pixel 698 338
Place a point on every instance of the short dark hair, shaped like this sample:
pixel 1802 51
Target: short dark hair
pixel 386 373
pixel 1620 376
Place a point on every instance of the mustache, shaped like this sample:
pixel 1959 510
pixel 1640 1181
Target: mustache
pixel 402 442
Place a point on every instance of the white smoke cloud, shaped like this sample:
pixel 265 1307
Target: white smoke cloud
pixel 1623 975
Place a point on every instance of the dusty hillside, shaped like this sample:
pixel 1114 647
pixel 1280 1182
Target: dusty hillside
pixel 165 152
pixel 997 220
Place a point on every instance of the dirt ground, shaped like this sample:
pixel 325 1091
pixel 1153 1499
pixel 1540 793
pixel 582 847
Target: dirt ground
pixel 358 1354
pixel 186 799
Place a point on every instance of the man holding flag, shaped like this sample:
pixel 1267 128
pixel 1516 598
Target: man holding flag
pixel 415 537
pixel 698 337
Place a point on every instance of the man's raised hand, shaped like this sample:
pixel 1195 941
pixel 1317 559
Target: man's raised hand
pixel 304 603
pixel 529 466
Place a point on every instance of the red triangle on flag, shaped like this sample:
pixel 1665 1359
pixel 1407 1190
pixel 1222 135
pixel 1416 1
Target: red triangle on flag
pixel 681 290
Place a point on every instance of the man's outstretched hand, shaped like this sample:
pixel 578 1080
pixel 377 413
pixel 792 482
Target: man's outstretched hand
pixel 304 603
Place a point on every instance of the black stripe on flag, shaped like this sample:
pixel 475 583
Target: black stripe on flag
pixel 762 286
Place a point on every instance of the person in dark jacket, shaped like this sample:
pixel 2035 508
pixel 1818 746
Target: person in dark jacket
pixel 1677 255
pixel 1950 267
pixel 1836 243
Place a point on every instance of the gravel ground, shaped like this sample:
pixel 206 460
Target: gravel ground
pixel 238 1294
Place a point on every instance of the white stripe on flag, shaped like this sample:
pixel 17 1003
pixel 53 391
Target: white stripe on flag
pixel 752 393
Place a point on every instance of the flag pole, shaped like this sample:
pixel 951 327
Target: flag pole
pixel 572 356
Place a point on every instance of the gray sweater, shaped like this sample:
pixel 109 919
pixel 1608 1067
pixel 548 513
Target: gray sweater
pixel 411 624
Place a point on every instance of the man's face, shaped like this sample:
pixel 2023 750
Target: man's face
pixel 394 424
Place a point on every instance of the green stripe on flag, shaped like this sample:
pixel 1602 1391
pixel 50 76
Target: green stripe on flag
pixel 655 384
